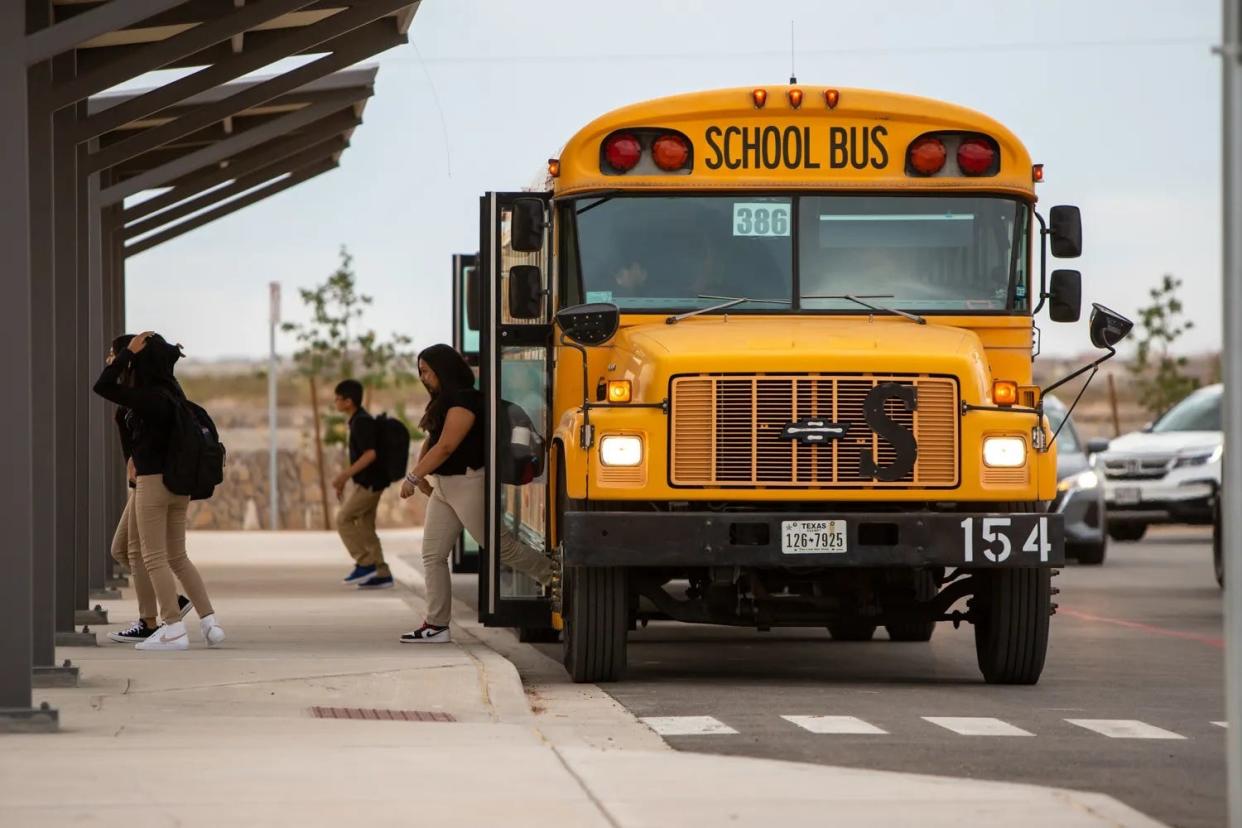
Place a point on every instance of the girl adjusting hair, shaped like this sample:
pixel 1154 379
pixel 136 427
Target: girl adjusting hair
pixel 161 515
pixel 454 452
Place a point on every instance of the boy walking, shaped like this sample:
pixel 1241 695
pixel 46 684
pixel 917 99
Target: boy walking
pixel 355 520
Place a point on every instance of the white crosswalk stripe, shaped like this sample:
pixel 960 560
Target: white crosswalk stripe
pixel 1221 724
pixel 687 725
pixel 839 725
pixel 977 726
pixel 1125 729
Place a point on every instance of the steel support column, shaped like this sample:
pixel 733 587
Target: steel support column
pixel 39 81
pixel 1231 491
pixel 97 413
pixel 16 511
pixel 66 378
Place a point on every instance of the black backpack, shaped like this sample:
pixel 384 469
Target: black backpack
pixel 522 454
pixel 194 464
pixel 392 447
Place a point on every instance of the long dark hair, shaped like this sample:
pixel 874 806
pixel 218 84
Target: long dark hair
pixel 121 343
pixel 453 374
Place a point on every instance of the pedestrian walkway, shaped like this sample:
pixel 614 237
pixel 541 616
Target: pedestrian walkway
pixel 313 714
pixel 839 725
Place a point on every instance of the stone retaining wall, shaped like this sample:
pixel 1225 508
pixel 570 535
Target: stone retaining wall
pixel 242 500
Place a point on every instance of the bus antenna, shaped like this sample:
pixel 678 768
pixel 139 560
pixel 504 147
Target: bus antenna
pixel 793 77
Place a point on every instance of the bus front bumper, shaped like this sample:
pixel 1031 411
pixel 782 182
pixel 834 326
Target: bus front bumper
pixel 880 539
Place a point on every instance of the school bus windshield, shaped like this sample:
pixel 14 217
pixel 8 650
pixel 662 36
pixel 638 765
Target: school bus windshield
pixel 924 253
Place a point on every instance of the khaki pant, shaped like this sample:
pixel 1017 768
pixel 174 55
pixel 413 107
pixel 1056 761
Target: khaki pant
pixel 355 523
pixel 161 529
pixel 456 504
pixel 127 551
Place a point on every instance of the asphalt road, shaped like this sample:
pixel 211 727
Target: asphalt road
pixel 1128 704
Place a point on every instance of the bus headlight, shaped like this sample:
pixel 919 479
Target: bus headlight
pixel 621 450
pixel 1083 480
pixel 1004 452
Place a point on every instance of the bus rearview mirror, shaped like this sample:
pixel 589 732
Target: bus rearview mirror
pixel 525 292
pixel 1065 227
pixel 1065 294
pixel 527 226
pixel 591 324
pixel 474 304
pixel 1107 326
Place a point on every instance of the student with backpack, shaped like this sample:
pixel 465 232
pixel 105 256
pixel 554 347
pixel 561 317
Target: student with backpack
pixel 355 520
pixel 126 550
pixel 455 453
pixel 176 453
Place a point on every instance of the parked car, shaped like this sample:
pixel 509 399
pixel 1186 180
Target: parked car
pixel 1168 472
pixel 1080 497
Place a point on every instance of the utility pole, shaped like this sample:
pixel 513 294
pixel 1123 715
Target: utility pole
pixel 1231 370
pixel 272 365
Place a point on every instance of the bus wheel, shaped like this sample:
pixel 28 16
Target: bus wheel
pixel 925 589
pixel 597 620
pixel 851 629
pixel 1012 607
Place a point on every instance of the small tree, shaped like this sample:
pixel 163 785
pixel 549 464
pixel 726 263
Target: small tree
pixel 331 348
pixel 1160 377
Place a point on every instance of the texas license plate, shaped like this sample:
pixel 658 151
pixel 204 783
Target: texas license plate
pixel 1128 495
pixel 813 537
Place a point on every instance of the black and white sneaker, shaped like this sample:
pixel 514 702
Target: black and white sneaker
pixel 184 606
pixel 138 631
pixel 427 634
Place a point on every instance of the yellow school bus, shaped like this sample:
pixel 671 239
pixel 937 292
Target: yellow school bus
pixel 762 357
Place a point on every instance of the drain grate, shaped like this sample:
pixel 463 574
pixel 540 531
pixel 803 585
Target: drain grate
pixel 372 714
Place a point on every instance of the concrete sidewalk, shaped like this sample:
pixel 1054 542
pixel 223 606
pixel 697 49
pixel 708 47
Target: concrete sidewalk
pixel 226 736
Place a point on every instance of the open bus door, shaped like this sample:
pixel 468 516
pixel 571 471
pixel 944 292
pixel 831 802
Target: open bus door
pixel 466 312
pixel 515 368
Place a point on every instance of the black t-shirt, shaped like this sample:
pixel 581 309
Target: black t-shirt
pixel 149 418
pixel 470 453
pixel 362 437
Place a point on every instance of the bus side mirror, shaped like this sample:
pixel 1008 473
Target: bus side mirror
pixel 1097 445
pixel 1107 326
pixel 592 324
pixel 528 226
pixel 1065 227
pixel 474 303
pixel 1065 296
pixel 525 292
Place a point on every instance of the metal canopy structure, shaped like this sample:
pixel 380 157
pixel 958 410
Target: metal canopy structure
pixel 108 176
pixel 292 137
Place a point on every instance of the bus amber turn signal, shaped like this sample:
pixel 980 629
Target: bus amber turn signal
pixel 619 391
pixel 1004 392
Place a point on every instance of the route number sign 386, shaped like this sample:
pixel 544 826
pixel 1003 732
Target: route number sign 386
pixel 996 539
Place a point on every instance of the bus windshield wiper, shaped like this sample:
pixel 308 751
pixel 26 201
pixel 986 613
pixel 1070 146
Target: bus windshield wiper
pixel 859 299
pixel 726 303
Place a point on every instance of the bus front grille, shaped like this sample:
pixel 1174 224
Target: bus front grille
pixel 726 431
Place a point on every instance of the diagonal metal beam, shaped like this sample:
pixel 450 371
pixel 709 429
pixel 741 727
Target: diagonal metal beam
pixel 156 55
pixel 356 46
pixel 190 162
pixel 245 163
pixel 292 43
pixel 329 150
pixel 109 17
pixel 225 209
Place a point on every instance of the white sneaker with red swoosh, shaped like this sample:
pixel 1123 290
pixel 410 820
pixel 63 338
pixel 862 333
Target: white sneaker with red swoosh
pixel 167 637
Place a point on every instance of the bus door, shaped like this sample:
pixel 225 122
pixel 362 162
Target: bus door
pixel 466 312
pixel 515 374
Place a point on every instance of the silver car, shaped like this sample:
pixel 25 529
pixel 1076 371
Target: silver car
pixel 1080 495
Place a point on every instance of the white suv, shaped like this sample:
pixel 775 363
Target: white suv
pixel 1167 473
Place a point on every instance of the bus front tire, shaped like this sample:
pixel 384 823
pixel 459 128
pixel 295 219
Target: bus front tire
pixel 597 621
pixel 851 629
pixel 925 589
pixel 1011 627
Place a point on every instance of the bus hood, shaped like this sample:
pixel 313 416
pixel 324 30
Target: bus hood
pixel 652 353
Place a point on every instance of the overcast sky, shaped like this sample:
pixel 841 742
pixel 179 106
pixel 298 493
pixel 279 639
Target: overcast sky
pixel 1120 100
